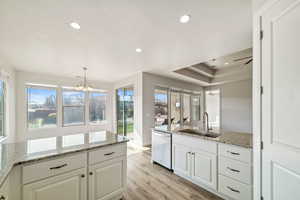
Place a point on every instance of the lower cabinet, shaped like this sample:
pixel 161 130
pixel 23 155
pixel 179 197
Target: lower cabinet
pixel 67 186
pixel 107 179
pixel 197 165
pixel 181 159
pixel 204 168
pixel 95 175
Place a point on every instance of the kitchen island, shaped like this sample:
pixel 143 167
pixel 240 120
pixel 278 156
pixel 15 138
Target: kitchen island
pixel 71 167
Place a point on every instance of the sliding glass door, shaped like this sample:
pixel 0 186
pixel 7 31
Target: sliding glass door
pixel 125 111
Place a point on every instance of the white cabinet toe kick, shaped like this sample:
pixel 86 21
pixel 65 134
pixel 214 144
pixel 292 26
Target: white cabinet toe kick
pixel 225 170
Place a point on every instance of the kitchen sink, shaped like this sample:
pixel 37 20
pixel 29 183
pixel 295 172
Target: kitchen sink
pixel 197 132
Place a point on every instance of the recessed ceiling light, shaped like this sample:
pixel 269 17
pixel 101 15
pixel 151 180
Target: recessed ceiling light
pixel 185 19
pixel 75 25
pixel 227 63
pixel 138 50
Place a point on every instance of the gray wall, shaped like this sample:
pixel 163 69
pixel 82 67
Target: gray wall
pixel 236 106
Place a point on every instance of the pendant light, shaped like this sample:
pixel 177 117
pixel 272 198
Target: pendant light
pixel 84 85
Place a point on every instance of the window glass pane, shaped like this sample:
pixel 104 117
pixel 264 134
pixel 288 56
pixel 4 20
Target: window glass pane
pixel 161 109
pixel 97 106
pixel 73 108
pixel 41 107
pixel 73 98
pixel 186 109
pixel 212 99
pixel 2 108
pixel 175 110
pixel 73 115
pixel 196 108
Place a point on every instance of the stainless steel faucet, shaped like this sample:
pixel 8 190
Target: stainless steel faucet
pixel 205 122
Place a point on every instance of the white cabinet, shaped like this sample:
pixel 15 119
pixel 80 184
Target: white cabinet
pixel 99 174
pixel 67 186
pixel 204 168
pixel 235 172
pixel 181 159
pixel 107 179
pixel 193 163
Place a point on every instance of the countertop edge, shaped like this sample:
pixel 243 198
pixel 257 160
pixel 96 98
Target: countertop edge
pixel 208 138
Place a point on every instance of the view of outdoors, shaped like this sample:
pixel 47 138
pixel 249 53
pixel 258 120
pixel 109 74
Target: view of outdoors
pixel 175 110
pixel 161 108
pixel 196 114
pixel 186 98
pixel 41 107
pixel 213 108
pixel 2 108
pixel 73 107
pixel 125 111
pixel 97 107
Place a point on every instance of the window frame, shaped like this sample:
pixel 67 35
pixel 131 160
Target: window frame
pixel 85 109
pixel 89 122
pixel 36 86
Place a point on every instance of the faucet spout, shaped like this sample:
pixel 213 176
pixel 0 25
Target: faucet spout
pixel 205 122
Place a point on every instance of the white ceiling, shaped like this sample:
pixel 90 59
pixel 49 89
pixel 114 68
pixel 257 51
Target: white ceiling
pixel 36 36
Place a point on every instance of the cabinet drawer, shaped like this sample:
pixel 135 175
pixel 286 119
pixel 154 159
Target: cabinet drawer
pixel 106 153
pixel 195 143
pixel 236 153
pixel 44 169
pixel 235 169
pixel 234 189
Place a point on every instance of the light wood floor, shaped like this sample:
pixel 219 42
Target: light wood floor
pixel 147 181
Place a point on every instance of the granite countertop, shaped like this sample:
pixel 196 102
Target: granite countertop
pixel 37 149
pixel 226 137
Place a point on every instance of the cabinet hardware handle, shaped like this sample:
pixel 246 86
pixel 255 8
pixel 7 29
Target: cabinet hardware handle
pixel 233 190
pixel 82 175
pixel 2 197
pixel 234 170
pixel 91 173
pixel 233 153
pixel 108 154
pixel 57 167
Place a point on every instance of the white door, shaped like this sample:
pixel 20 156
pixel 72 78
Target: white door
pixel 68 186
pixel 181 160
pixel 281 101
pixel 204 168
pixel 107 179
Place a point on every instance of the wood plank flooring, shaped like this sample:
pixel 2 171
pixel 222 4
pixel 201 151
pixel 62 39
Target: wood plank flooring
pixel 147 181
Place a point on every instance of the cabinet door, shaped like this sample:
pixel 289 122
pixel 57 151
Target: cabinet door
pixel 68 186
pixel 181 159
pixel 204 168
pixel 107 179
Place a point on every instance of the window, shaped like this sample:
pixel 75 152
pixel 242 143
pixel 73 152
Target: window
pixel 161 108
pixel 73 108
pixel 186 101
pixel 212 101
pixel 196 114
pixel 97 101
pixel 41 107
pixel 2 108
pixel 175 110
